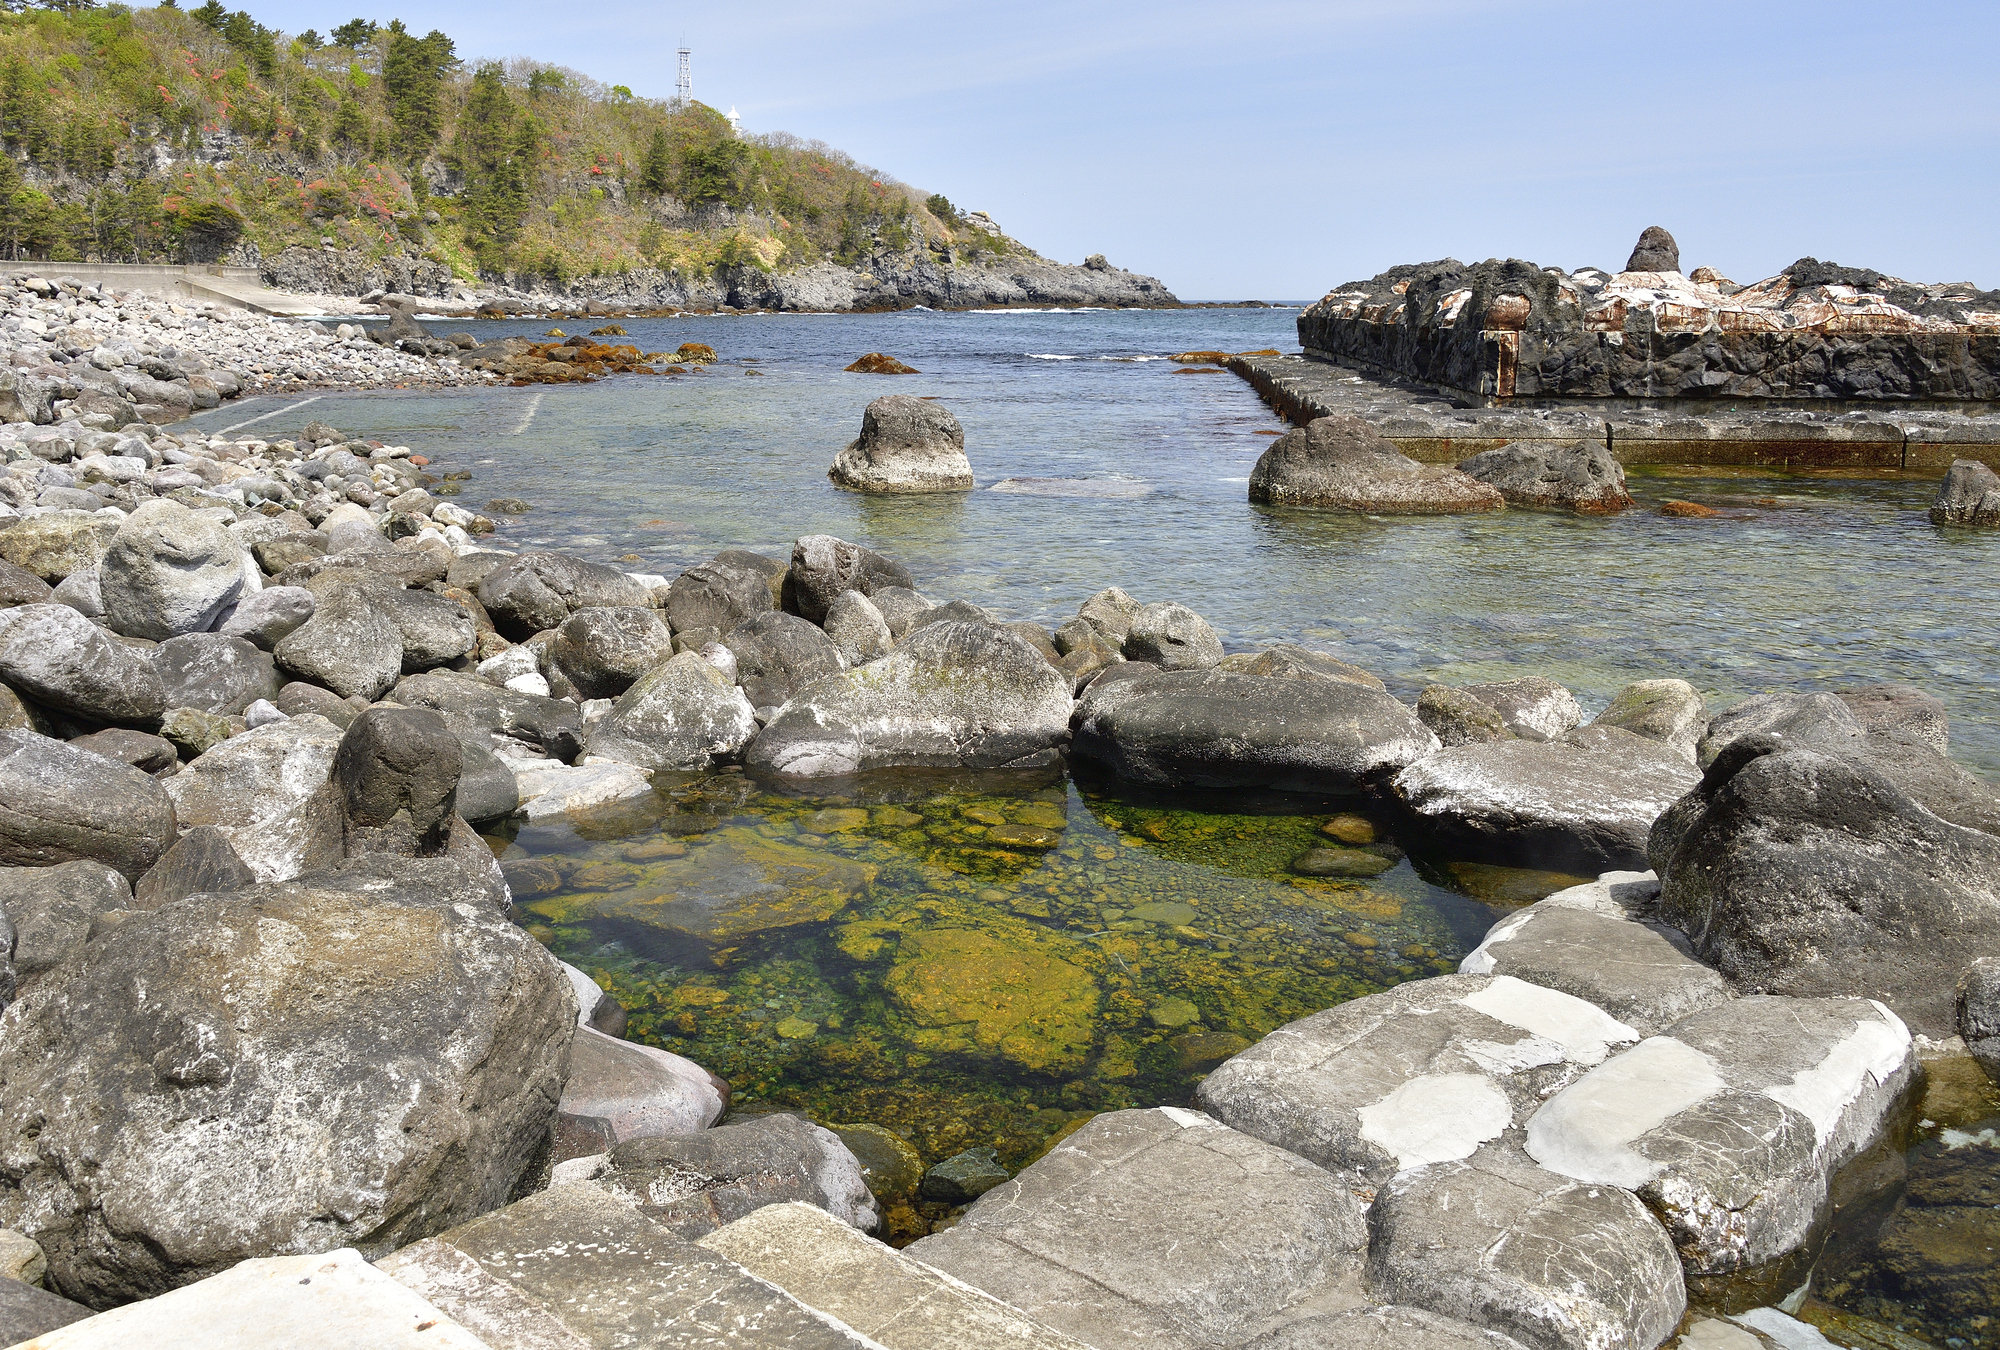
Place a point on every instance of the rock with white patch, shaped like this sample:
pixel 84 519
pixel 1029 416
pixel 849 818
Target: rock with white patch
pixel 1557 1264
pixel 549 787
pixel 1732 1124
pixel 1532 706
pixel 1382 1327
pixel 1160 1229
pixel 170 570
pixel 250 786
pixel 1426 1072
pixel 1604 943
pixel 954 695
pixel 1586 802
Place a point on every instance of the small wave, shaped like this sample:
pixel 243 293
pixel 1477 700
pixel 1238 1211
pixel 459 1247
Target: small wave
pixel 1080 309
pixel 1050 356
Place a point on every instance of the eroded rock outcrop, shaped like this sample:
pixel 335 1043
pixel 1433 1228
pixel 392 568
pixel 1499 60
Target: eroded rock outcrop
pixel 907 444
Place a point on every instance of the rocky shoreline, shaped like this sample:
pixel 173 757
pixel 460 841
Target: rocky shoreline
pixel 275 1052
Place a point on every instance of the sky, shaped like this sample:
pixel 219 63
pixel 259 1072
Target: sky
pixel 1272 150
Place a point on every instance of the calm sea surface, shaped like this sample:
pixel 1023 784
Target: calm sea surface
pixel 1804 583
pixel 932 965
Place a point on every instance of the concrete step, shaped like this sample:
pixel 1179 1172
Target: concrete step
pixel 576 1268
pixel 332 1302
pixel 888 1297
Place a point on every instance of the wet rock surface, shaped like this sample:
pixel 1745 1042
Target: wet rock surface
pixel 1341 462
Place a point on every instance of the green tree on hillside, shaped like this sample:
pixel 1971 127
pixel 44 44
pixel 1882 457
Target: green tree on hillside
pixel 495 151
pixel 413 73
pixel 656 175
pixel 354 33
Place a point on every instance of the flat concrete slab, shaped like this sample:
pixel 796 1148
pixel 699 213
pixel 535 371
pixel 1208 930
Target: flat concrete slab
pixel 882 1293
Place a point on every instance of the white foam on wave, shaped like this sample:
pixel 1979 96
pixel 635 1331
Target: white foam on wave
pixel 1080 309
pixel 1050 356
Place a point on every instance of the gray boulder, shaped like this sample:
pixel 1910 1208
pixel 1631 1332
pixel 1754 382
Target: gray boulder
pixel 58 543
pixel 83 591
pixel 683 714
pixel 602 651
pixel 59 804
pixel 1289 661
pixel 1798 872
pixel 1426 1072
pixel 1969 495
pixel 251 778
pixel 215 674
pixel 857 628
pixel 19 586
pixel 432 628
pixel 265 616
pixel 1132 1233
pixel 1732 1124
pixel 1217 729
pixel 694 1183
pixel 1656 251
pixel 778 654
pixel 1501 1243
pixel 953 695
pixel 51 910
pixel 27 1312
pixel 619 1091
pixel 1978 1009
pixel 487 789
pixel 349 645
pixel 1585 803
pixel 396 774
pixel 900 608
pixel 1111 612
pixel 1603 943
pixel 1900 708
pixel 1341 462
pixel 1457 718
pixel 419 1097
pixel 170 570
pixel 823 567
pixel 1531 706
pixel 54 655
pixel 724 591
pixel 1384 1327
pixel 1579 476
pixel 143 751
pixel 907 444
pixel 1668 711
pixel 1172 637
pixel 472 707
pixel 201 861
pixel 537 591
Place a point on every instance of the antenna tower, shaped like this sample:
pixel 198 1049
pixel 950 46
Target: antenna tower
pixel 684 82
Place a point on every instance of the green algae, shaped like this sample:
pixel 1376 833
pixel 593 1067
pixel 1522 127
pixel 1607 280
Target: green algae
pixel 972 963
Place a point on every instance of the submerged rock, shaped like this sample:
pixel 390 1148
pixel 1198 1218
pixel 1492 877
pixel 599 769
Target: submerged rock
pixel 954 695
pixel 1342 462
pixel 972 992
pixel 1222 729
pixel 1580 476
pixel 907 444
pixel 421 1095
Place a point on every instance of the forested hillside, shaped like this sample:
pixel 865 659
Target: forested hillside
pixel 202 135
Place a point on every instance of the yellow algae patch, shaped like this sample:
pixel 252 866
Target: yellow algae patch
pixel 971 992
pixel 738 885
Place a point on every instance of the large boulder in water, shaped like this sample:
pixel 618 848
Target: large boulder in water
pixel 954 695
pixel 58 803
pixel 169 571
pixel 1585 803
pixel 683 714
pixel 823 567
pixel 907 444
pixel 1969 495
pixel 54 655
pixel 1225 729
pixel 1342 462
pixel 1795 871
pixel 418 1093
pixel 1580 476
pixel 537 591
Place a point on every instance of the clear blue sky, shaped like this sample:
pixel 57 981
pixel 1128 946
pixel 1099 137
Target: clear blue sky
pixel 1272 150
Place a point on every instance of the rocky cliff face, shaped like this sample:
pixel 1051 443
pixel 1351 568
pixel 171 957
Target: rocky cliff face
pixel 1501 330
pixel 886 280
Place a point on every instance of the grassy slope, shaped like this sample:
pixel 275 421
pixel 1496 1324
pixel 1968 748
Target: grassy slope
pixel 148 135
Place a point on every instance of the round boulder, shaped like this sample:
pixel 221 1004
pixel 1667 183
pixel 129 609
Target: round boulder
pixel 602 650
pixel 1579 476
pixel 169 571
pixel 1341 462
pixel 906 445
pixel 685 714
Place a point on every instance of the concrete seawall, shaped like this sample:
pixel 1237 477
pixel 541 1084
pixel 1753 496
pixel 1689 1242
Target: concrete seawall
pixel 193 283
pixel 1428 426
